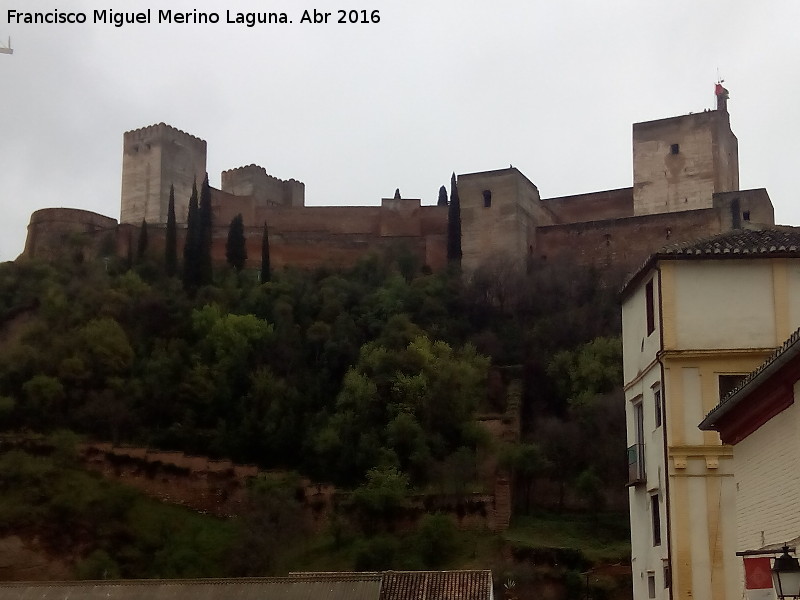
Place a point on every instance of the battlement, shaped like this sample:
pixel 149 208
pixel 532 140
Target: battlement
pixel 254 168
pixel 265 189
pixel 158 131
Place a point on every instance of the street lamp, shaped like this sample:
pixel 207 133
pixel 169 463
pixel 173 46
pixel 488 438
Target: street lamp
pixel 786 575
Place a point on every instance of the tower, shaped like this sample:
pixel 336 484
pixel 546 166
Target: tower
pixel 680 162
pixel 499 213
pixel 153 159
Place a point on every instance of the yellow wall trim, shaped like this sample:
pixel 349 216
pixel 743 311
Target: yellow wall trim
pixel 700 451
pixel 713 353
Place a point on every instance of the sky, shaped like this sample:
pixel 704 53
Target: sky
pixel 357 110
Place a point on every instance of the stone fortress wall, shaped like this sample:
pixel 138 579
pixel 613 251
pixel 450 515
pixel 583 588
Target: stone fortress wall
pixel 685 186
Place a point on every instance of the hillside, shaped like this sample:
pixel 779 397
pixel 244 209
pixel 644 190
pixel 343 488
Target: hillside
pixel 370 379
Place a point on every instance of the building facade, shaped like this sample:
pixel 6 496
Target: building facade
pixel 761 420
pixel 696 318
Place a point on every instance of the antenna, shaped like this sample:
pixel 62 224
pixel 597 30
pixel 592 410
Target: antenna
pixel 6 49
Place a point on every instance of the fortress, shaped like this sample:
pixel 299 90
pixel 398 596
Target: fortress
pixel 685 186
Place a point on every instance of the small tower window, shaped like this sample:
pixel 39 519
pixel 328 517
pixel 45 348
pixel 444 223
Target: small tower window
pixel 655 513
pixel 746 215
pixel 674 148
pixel 649 297
pixel 487 198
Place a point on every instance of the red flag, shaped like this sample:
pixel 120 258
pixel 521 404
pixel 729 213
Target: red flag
pixel 758 577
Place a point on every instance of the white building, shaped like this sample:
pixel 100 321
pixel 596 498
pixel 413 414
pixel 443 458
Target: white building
pixel 696 319
pixel 761 420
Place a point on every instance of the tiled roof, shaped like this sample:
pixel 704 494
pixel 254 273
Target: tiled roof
pixel 756 241
pixel 436 585
pixel 279 588
pixel 790 348
pixel 390 585
pixel 768 240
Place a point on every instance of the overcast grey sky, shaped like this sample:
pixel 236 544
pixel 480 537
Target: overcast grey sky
pixel 356 111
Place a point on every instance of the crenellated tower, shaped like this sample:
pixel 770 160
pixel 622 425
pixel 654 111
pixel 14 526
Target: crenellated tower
pixel 681 162
pixel 154 158
pixel 266 190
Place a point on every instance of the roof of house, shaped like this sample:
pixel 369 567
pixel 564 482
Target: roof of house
pixel 789 349
pixel 757 241
pixel 365 587
pixel 440 585
pixel 390 585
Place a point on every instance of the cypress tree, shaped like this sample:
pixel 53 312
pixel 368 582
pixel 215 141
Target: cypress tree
pixel 171 247
pixel 454 225
pixel 205 235
pixel 129 255
pixel 141 247
pixel 442 197
pixel 190 246
pixel 235 247
pixel 265 267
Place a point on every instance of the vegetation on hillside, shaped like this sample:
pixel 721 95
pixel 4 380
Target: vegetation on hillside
pixel 330 373
pixel 370 377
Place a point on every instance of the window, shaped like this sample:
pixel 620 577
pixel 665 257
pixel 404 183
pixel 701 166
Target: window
pixel 651 313
pixel 656 515
pixel 667 574
pixel 746 215
pixel 636 472
pixel 674 148
pixel 728 383
pixel 651 584
pixel 487 198
pixel 657 405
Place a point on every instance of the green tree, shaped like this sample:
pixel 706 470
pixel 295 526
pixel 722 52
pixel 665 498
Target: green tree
pixel 442 197
pixel 379 499
pixel 206 234
pixel 235 246
pixel 436 540
pixel 270 526
pixel 171 245
pixel 141 248
pixel 590 488
pixel 106 346
pixel 593 368
pixel 454 225
pixel 416 404
pixel 45 398
pixel 527 462
pixel 191 246
pixel 266 273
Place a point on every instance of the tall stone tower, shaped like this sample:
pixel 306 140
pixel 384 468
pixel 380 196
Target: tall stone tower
pixel 154 158
pixel 680 162
pixel 499 213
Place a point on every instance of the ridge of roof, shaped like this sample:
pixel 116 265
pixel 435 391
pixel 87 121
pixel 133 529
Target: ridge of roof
pixel 755 241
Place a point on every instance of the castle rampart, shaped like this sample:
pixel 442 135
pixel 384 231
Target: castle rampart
pixel 52 231
pixel 610 204
pixel 685 186
pixel 266 190
pixel 625 242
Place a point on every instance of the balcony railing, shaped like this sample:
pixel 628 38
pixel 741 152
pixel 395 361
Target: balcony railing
pixel 636 473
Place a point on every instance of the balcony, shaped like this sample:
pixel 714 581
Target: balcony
pixel 636 473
